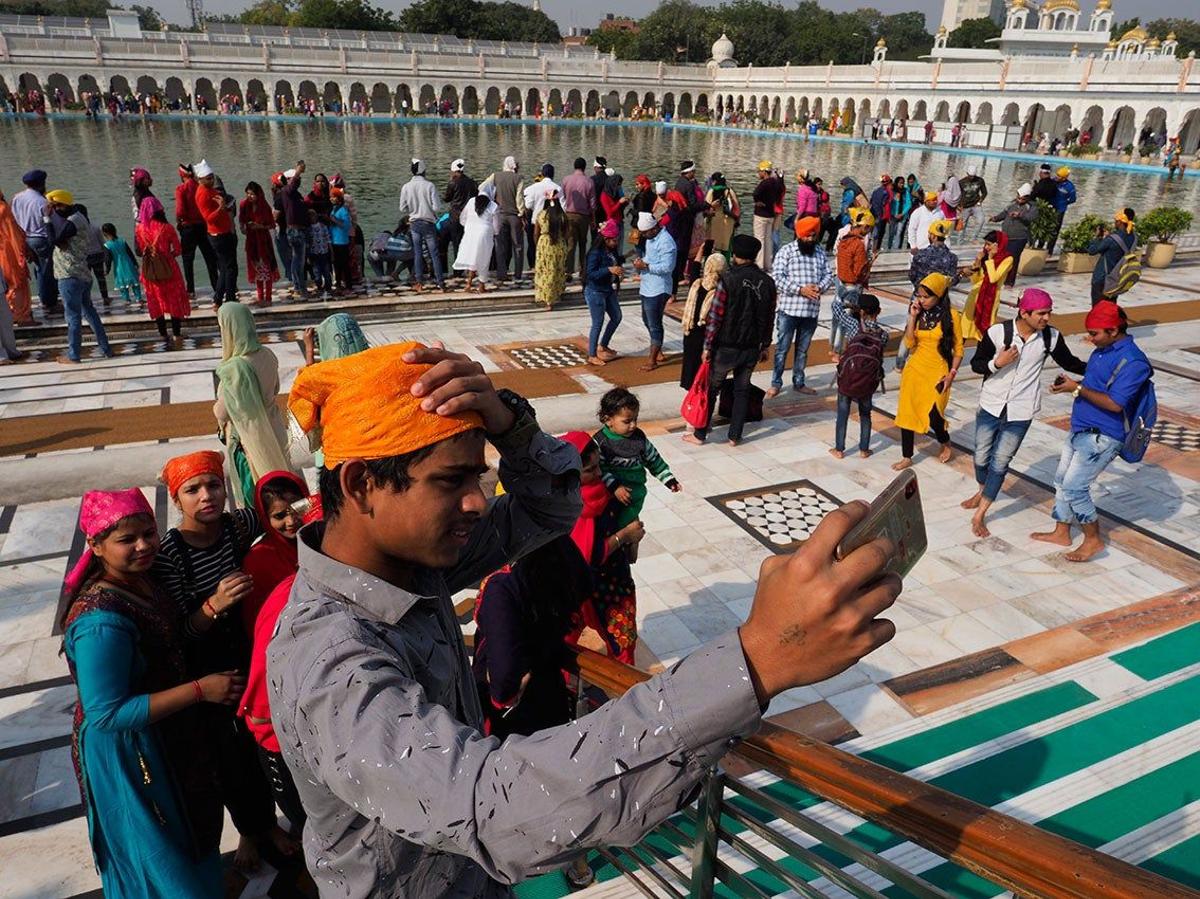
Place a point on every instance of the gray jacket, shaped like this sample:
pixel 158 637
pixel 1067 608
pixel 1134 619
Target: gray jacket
pixel 1017 228
pixel 419 198
pixel 378 718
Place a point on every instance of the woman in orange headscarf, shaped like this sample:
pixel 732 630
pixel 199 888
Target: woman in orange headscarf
pixel 13 265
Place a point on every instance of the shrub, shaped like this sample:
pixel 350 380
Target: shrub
pixel 1163 224
pixel 1127 150
pixel 1041 229
pixel 1075 238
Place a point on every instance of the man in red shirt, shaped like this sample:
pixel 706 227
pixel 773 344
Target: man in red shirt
pixel 193 235
pixel 214 207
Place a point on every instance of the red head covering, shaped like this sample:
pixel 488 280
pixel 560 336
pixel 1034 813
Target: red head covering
pixel 985 300
pixel 98 511
pixel 181 469
pixel 274 557
pixel 1034 299
pixel 1105 316
pixel 595 499
pixel 642 182
pixel 675 198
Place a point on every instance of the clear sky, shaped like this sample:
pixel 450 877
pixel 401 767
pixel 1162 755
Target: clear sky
pixel 583 13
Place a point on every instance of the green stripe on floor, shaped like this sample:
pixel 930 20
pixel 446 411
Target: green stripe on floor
pixel 1181 862
pixel 980 727
pixel 1164 654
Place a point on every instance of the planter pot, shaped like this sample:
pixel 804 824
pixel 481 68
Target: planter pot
pixel 1159 255
pixel 1032 262
pixel 1074 263
pixel 1126 157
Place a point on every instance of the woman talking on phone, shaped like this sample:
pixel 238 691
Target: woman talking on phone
pixel 935 345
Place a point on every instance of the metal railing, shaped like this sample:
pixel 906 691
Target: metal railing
pixel 750 837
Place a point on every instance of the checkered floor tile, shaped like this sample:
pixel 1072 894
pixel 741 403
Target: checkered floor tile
pixel 780 516
pixel 1180 437
pixel 564 355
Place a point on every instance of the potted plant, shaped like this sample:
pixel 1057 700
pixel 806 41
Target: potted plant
pixel 1041 229
pixel 1127 153
pixel 1158 229
pixel 1074 241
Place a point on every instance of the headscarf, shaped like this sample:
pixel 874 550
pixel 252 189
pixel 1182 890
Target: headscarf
pixel 181 469
pixel 936 283
pixel 99 511
pixel 1123 221
pixel 709 279
pixel 279 557
pixel 35 178
pixel 239 337
pixel 510 163
pixel 988 296
pixel 13 266
pixel 808 226
pixel 612 186
pixel 610 229
pixel 148 207
pixel 63 197
pixel 1034 299
pixel 1105 316
pixel 139 176
pixel 595 499
pixel 365 407
pixel 339 336
pixel 941 228
pixel 952 194
pixel 642 182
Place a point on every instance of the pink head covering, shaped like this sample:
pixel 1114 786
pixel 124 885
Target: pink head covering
pixel 99 511
pixel 609 229
pixel 149 206
pixel 1034 299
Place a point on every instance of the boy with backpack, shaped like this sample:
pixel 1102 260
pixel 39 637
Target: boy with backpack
pixel 859 371
pixel 1114 413
pixel 1120 264
pixel 1010 356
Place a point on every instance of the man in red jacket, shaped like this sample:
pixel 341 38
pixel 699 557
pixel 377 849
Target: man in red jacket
pixel 193 235
pixel 214 206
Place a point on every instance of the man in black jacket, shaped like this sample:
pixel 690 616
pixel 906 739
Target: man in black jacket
pixel 738 333
pixel 459 192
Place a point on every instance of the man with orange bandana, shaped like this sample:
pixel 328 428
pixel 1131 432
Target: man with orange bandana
pixel 371 692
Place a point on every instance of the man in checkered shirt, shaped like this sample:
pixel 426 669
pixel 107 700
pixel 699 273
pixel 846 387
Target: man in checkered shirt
pixel 801 272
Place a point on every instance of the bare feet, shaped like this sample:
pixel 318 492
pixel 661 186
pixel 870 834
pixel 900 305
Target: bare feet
pixel 837 454
pixel 693 440
pixel 806 390
pixel 902 464
pixel 285 844
pixel 734 441
pixel 595 360
pixel 864 454
pixel 978 528
pixel 1088 548
pixel 1060 536
pixel 247 858
pixel 973 502
pixel 649 366
pixel 946 454
pixel 607 355
pixel 772 392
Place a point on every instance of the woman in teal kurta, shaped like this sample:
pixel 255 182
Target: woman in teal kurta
pixel 146 779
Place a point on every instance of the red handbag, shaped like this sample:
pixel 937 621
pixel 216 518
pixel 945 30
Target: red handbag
pixel 695 403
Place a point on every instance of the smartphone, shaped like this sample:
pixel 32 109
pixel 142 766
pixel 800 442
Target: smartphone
pixel 897 515
pixel 1061 379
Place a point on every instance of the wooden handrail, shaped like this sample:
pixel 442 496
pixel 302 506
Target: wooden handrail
pixel 1010 853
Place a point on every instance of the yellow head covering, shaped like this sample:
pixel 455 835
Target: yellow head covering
pixel 1123 220
pixel 931 195
pixel 765 165
pixel 1063 171
pixel 865 219
pixel 937 284
pixel 941 228
pixel 365 407
pixel 60 196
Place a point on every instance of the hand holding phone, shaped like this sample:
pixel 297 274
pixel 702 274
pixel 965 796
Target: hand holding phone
pixel 896 515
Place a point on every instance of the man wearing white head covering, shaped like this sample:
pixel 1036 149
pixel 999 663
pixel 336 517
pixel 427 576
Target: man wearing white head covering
pixel 510 197
pixel 972 193
pixel 216 208
pixel 460 191
pixel 1017 217
pixel 420 202
pixel 657 266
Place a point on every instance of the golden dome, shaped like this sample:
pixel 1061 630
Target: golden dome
pixel 1154 43
pixel 1052 5
pixel 1171 35
pixel 881 43
pixel 1104 5
pixel 1137 35
pixel 1019 4
pixel 941 29
pixel 1111 45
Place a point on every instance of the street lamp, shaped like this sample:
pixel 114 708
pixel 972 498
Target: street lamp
pixel 866 40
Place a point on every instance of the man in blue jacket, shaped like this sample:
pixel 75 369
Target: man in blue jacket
pixel 1116 374
pixel 1064 196
pixel 656 266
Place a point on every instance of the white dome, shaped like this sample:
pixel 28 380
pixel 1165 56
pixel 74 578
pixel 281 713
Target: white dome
pixel 722 49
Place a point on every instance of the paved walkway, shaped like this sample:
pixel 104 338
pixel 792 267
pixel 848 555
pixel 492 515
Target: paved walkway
pixel 982 625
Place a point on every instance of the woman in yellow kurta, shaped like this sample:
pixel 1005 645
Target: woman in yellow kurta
pixel 935 348
pixel 987 275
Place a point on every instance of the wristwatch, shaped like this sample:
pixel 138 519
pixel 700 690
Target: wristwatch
pixel 1078 389
pixel 517 404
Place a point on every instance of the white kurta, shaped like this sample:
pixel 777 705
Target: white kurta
pixel 479 237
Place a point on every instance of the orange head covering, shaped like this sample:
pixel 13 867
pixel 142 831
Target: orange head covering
pixel 181 469
pixel 365 407
pixel 807 226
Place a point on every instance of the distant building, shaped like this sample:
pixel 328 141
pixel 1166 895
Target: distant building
pixel 621 23
pixel 955 12
pixel 576 37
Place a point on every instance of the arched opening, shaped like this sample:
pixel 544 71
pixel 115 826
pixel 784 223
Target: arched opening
pixel 285 97
pixel 512 101
pixel 685 110
pixel 902 110
pixel 1121 129
pixel 1189 134
pixel 309 97
pixel 360 103
pixel 921 111
pixel 818 111
pixel 448 100
pixel 612 104
pixel 789 111
pixel 491 101
pixel 631 101
pixel 533 102
pixel 1153 125
pixel 88 85
pixel 332 98
pixel 592 104
pixel 256 95
pixel 1012 115
pixel 802 109
pixel 648 103
pixel 470 100
pixel 574 105
pixel 942 112
pixel 146 85
pixel 57 82
pixel 864 111
pixel 119 86
pixel 668 105
pixel 427 100
pixel 404 100
pixel 555 103
pixel 983 115
pixel 1091 125
pixel 962 115
pixel 1034 119
pixel 204 91
pixel 1058 123
pixel 381 98
pixel 231 91
pixel 777 110
pixel 29 82
pixel 885 109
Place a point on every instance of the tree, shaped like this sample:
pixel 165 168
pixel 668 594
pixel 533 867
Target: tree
pixel 148 17
pixel 1187 32
pixel 264 12
pixel 75 9
pixel 678 31
pixel 1121 27
pixel 502 21
pixel 760 31
pixel 350 15
pixel 973 34
pixel 906 35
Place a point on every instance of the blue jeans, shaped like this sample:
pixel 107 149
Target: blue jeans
pixel 298 244
pixel 652 317
pixel 284 250
pixel 843 419
pixel 787 327
pixel 76 296
pixel 44 267
pixel 322 268
pixel 424 234
pixel 895 238
pixel 1086 454
pixel 996 442
pixel 600 302
pixel 847 298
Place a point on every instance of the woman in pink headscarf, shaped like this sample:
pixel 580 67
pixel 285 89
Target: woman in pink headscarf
pixel 146 775
pixel 140 181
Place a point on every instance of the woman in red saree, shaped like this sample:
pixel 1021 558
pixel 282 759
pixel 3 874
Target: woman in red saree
pixel 256 218
pixel 157 242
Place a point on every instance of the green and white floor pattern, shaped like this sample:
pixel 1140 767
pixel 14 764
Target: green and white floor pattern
pixel 1105 752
